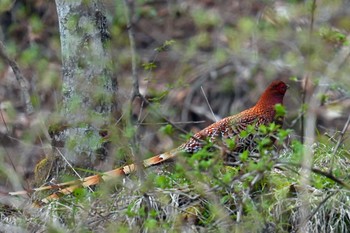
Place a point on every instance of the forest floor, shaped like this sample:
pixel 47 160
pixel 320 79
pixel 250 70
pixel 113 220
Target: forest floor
pixel 198 61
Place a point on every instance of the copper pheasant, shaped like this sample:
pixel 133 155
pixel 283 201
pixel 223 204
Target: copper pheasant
pixel 262 113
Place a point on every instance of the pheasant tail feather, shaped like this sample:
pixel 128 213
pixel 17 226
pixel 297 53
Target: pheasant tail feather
pixel 69 187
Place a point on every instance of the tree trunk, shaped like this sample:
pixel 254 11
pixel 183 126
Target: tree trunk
pixel 88 85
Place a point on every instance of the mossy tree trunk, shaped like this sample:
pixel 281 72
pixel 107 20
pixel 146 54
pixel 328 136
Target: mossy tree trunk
pixel 88 86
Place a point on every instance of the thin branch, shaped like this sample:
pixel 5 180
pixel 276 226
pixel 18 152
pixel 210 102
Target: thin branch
pixel 308 74
pixel 309 139
pixel 129 12
pixel 70 165
pixel 156 110
pixel 8 133
pixel 313 10
pixel 340 139
pixel 320 172
pixel 318 208
pixel 302 114
pixel 206 99
pixel 331 177
pixel 20 78
pixel 175 122
pixel 3 120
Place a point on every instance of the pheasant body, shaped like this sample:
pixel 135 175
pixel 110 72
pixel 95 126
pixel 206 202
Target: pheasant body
pixel 263 113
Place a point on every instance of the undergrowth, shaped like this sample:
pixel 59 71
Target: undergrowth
pixel 260 192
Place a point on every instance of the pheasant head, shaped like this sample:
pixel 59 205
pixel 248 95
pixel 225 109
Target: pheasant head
pixel 273 95
pixel 265 107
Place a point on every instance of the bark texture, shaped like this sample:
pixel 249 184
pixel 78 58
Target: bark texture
pixel 88 84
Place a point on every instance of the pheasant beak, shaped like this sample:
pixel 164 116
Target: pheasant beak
pixel 287 86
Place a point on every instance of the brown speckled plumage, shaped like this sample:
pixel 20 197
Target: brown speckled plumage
pixel 262 113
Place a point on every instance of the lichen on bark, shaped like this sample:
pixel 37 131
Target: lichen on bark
pixel 88 85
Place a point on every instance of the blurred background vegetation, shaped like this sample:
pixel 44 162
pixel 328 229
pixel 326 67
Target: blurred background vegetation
pixel 187 52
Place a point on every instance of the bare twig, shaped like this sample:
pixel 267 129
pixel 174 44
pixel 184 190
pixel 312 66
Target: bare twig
pixel 174 122
pixel 313 9
pixel 331 137
pixel 319 172
pixel 3 120
pixel 8 133
pixel 302 113
pixel 20 79
pixel 70 165
pixel 340 139
pixel 206 99
pixel 309 138
pixel 331 177
pixel 129 12
pixel 308 74
pixel 196 80
pixel 318 208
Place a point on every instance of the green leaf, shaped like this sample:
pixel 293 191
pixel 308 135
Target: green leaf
pixel 280 110
pixel 244 156
pixel 166 45
pixel 227 177
pixel 264 142
pixel 246 25
pixel 243 134
pixel 263 129
pixel 231 143
pixel 149 66
pixel 36 24
pixel 250 129
pixel 272 127
pixel 79 193
pixel 167 129
pixel 283 134
pixel 162 182
pixel 293 78
pixel 205 164
pixel 129 212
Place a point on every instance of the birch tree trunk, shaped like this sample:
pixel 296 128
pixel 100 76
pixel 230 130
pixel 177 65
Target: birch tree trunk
pixel 88 86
